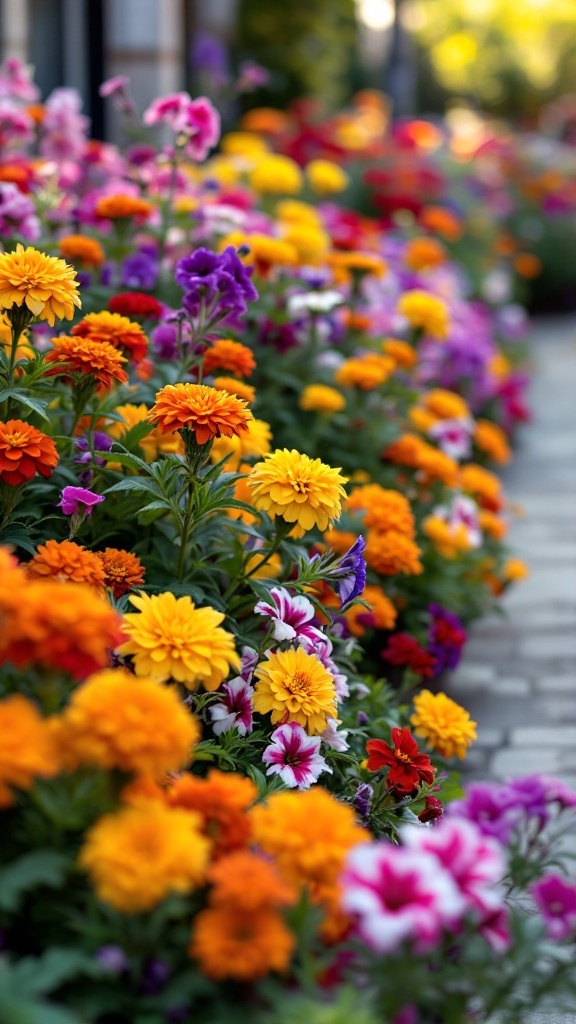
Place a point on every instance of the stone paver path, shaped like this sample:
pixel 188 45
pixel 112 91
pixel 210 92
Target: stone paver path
pixel 518 676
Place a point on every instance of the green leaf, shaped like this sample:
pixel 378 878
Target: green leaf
pixel 125 459
pixel 23 398
pixel 134 483
pixel 41 867
pixel 153 510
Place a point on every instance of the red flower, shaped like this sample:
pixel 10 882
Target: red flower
pixel 403 649
pixel 408 767
pixel 433 809
pixel 136 304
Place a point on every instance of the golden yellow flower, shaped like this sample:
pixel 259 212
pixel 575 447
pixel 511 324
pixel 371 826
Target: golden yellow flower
pixel 437 465
pixel 321 398
pixel 45 285
pixel 27 751
pixel 255 441
pixel 491 439
pixel 138 855
pixel 444 725
pixel 365 372
pixel 115 720
pixel 392 552
pixel 297 488
pixel 309 241
pixel 169 638
pixel 266 252
pixel 243 144
pixel 421 419
pixel 207 412
pixel 445 405
pixel 492 524
pixel 152 443
pixel 296 687
pixel 449 540
pixel 236 387
pixel 326 177
pixel 425 311
pixel 297 212
pixel 515 569
pixel 344 262
pixel 275 173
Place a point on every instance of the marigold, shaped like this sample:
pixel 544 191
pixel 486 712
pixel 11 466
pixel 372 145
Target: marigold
pixel 169 638
pixel 445 405
pixel 228 943
pixel 27 750
pixel 401 352
pixel 25 451
pixel 326 177
pixel 243 143
pixel 117 721
pixel 207 412
pixel 225 354
pixel 121 206
pixel 309 241
pixel 437 465
pixel 340 540
pixel 236 387
pixel 265 251
pixel 444 725
pixel 255 441
pixel 491 439
pixel 276 173
pixel 483 485
pixel 450 540
pixel 515 569
pixel 344 262
pixel 117 330
pixel 67 562
pixel 405 450
pixel 152 443
pixel 424 254
pixel 320 398
pixel 295 687
pixel 122 570
pixel 296 212
pixel 421 419
pixel 45 285
pixel 491 524
pixel 81 249
pixel 382 509
pixel 299 489
pixel 444 222
pixel 365 372
pixel 380 615
pixel 426 312
pixel 222 800
pixel 392 552
pixel 138 855
pixel 88 356
pixel 247 881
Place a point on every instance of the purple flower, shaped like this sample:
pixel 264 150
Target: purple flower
pixel 294 756
pixel 17 213
pixel 78 499
pixel 492 807
pixel 250 659
pixel 155 975
pixel 556 900
pixel 446 638
pixel 235 710
pixel 558 792
pixel 251 76
pixel 362 801
pixel 112 959
pixel 353 565
pixel 140 270
pixel 291 616
pixel 220 280
pixel 164 339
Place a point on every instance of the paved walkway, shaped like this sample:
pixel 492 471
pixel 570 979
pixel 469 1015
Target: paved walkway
pixel 518 676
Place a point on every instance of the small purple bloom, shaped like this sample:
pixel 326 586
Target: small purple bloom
pixel 353 565
pixel 362 801
pixel 235 710
pixel 219 280
pixel 492 807
pixel 140 270
pixel 556 900
pixel 156 974
pixel 164 339
pixel 295 756
pixel 78 499
pixel 291 615
pixel 112 959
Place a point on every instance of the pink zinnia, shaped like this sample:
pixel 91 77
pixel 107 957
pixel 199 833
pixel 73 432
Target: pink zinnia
pixel 294 756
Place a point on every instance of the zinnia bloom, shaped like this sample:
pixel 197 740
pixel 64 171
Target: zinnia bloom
pixel 87 356
pixel 404 649
pixel 222 800
pixel 444 725
pixel 138 855
pixel 172 639
pixel 140 304
pixel 229 943
pixel 424 254
pixel 408 767
pixel 297 488
pixel 45 285
pixel 122 206
pixel 81 249
pixel 225 354
pixel 207 412
pixel 296 687
pixel 122 570
pixel 294 756
pixel 25 451
pixel 27 750
pixel 425 311
pixel 68 562
pixel 117 330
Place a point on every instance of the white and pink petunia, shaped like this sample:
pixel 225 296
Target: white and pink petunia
pixel 295 756
pixel 292 616
pixel 454 437
pixel 234 711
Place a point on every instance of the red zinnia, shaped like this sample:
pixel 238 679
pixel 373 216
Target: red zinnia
pixel 403 649
pixel 136 304
pixel 408 767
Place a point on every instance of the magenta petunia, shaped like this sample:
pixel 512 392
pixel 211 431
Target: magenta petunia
pixel 556 901
pixel 78 499
pixel 292 616
pixel 295 756
pixel 234 711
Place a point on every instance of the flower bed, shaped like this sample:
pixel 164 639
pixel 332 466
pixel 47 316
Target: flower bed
pixel 246 515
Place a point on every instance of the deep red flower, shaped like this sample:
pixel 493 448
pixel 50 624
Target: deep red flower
pixel 433 809
pixel 403 649
pixel 408 767
pixel 136 304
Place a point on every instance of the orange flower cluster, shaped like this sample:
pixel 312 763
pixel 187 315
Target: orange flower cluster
pixel 492 441
pixel 117 330
pixel 366 372
pixel 484 487
pixel 28 751
pixel 392 552
pixel 222 801
pixel 25 451
pixel 88 357
pixel 388 519
pixel 207 412
pixel 122 206
pixel 410 450
pixel 81 249
pixel 68 562
pixel 225 354
pixel 424 254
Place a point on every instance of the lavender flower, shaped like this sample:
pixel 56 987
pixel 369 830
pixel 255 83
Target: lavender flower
pixel 17 213
pixel 362 801
pixel 353 565
pixel 112 959
pixel 295 756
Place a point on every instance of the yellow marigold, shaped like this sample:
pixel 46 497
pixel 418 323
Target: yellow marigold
pixel 297 488
pixel 444 725
pixel 421 419
pixel 401 352
pixel 81 249
pixel 381 615
pixel 445 405
pixel 321 398
pixel 437 465
pixel 207 412
pixel 365 372
pixel 44 285
pixel 326 177
pixel 340 540
pixel 122 570
pixel 515 569
pixel 491 439
pixel 138 855
pixel 449 540
pixel 424 254
pixel 483 485
pixel 275 173
pixel 392 552
pixel 118 330
pixel 311 851
pixel 88 356
pixel 222 800
pixel 296 687
pixel 68 562
pixel 491 524
pixel 243 144
pixel 27 750
pixel 121 206
pixel 425 311
pixel 310 241
pixel 259 570
pixel 345 262
pixel 169 638
pixel 382 509
pixel 248 881
pixel 115 720
pixel 265 251
pixel 499 366
pixel 296 212
pixel 152 443
pixel 228 943
pixel 225 354
pixel 236 387
pixel 254 442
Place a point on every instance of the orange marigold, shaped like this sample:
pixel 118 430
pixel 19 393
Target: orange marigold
pixel 424 254
pixel 406 450
pixel 27 750
pixel 442 221
pixel 122 570
pixel 236 387
pixel 222 799
pixel 381 614
pixel 401 352
pixel 492 524
pixel 449 540
pixel 437 465
pixel 117 330
pixel 25 451
pixel 248 882
pixel 120 206
pixel 445 405
pixel 81 249
pixel 382 509
pixel 88 356
pixel 228 943
pixel 365 372
pixel 392 552
pixel 491 439
pixel 207 412
pixel 340 540
pixel 483 485
pixel 68 562
pixel 225 354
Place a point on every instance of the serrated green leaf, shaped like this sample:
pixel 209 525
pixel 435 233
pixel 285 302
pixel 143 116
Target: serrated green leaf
pixel 23 398
pixel 125 459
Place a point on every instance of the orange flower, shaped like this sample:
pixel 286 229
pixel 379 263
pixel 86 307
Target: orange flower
pixel 67 562
pixel 249 882
pixel 340 540
pixel 401 352
pixel 483 485
pixel 207 412
pixel 424 254
pixel 365 372
pixel 27 750
pixel 121 206
pixel 343 263
pixel 436 465
pixel 236 387
pixel 449 540
pixel 527 265
pixel 442 221
pixel 491 439
pixel 83 250
pixel 446 405
pixel 225 354
pixel 117 330
pixel 491 524
pixel 382 509
pixel 88 356
pixel 122 570
pixel 381 614
pixel 228 943
pixel 222 799
pixel 392 552
pixel 25 451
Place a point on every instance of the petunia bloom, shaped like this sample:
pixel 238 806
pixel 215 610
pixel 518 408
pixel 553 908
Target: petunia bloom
pixel 408 767
pixel 294 756
pixel 78 499
pixel 291 615
pixel 234 711
pixel 556 901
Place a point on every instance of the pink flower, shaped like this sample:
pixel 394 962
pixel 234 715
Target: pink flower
pixel 331 736
pixel 399 895
pixel 16 81
pixel 462 512
pixel 453 436
pixel 16 126
pixel 291 616
pixel 118 83
pixel 556 900
pixel 294 756
pixel 78 499
pixel 197 119
pixel 64 128
pixel 235 710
